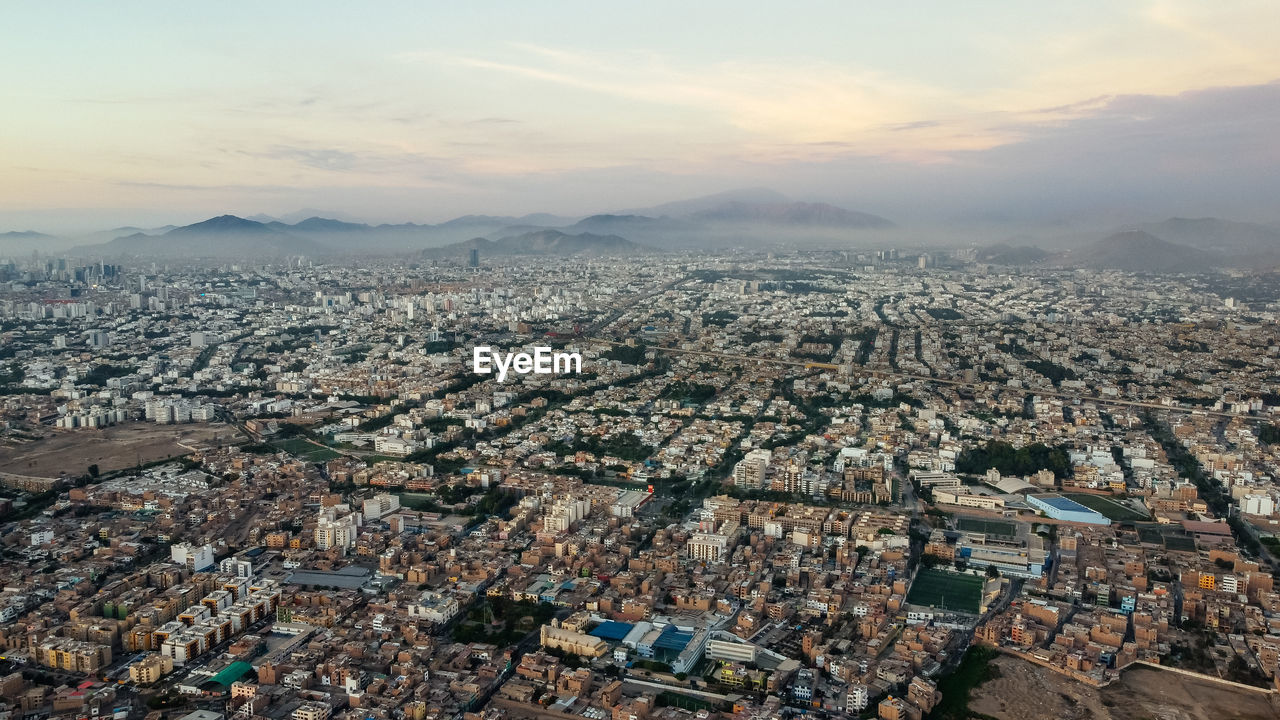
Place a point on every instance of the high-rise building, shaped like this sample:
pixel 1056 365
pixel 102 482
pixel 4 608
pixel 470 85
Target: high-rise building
pixel 749 472
pixel 708 547
pixel 381 505
pixel 473 260
pixel 337 527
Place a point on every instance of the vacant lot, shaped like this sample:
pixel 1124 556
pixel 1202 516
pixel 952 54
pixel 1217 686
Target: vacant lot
pixel 947 590
pixel 71 452
pixel 1023 691
pixel 1117 512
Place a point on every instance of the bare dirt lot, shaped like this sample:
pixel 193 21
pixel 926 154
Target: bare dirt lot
pixel 1024 691
pixel 112 448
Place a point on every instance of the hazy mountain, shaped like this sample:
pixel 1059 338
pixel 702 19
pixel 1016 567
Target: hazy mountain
pixel 535 219
pixel 224 236
pixel 20 235
pixel 1005 254
pixel 349 237
pixel 792 213
pixel 303 214
pixel 685 208
pixel 105 236
pixel 232 235
pixel 758 205
pixel 1138 251
pixel 753 217
pixel 323 225
pixel 546 219
pixel 129 230
pixel 1215 234
pixel 544 242
pixel 342 236
pixel 631 225
pixel 27 241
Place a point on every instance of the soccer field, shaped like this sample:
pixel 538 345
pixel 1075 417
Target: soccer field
pixel 946 590
pixel 1002 528
pixel 1109 508
pixel 301 448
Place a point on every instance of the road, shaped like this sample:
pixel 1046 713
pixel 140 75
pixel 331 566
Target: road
pixel 649 684
pixel 894 375
pixel 626 304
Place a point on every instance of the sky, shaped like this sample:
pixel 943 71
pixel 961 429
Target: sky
pixel 1090 111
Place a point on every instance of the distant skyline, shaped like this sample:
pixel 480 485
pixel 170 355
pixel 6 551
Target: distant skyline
pixel 1092 112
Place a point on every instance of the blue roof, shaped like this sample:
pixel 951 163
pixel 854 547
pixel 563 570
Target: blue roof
pixel 611 630
pixel 1059 502
pixel 672 639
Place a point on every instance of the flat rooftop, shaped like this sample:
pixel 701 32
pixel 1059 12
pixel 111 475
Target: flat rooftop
pixel 1064 503
pixel 351 577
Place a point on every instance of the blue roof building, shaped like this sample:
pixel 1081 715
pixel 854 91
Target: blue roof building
pixel 1066 509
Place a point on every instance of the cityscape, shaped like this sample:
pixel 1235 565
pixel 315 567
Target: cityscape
pixel 710 361
pixel 823 481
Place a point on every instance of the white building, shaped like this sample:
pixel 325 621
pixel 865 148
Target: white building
pixel 858 698
pixel 1258 504
pixel 731 651
pixel 389 445
pixel 337 528
pixel 708 547
pixel 236 568
pixel 564 513
pixel 381 505
pixel 196 558
pixel 964 499
pixel 750 471
pixel 434 606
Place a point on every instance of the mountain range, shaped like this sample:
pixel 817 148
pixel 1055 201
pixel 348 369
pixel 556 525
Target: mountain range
pixel 1217 244
pixel 747 218
pixel 544 242
pixel 1140 251
pixel 1216 235
pixel 740 218
pixel 25 241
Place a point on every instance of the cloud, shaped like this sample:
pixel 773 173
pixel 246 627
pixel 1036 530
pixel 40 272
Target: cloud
pixel 914 125
pixel 318 158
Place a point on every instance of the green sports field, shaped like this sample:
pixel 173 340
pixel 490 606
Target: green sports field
pixel 1002 528
pixel 304 450
pixel 1116 512
pixel 946 590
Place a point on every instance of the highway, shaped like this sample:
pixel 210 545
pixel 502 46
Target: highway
pixel 894 375
pixel 627 303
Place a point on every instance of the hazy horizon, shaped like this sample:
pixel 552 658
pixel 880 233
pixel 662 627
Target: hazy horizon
pixel 1092 115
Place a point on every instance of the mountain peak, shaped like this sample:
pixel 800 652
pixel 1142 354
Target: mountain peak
pixel 225 223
